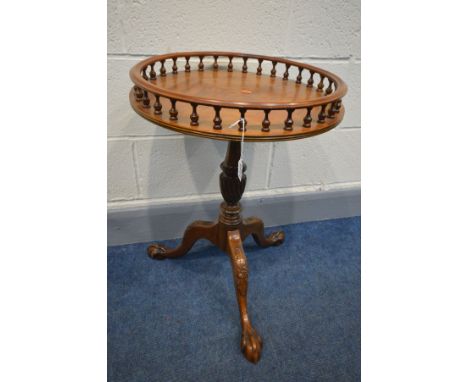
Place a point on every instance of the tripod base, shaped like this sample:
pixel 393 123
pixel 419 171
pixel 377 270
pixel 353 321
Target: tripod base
pixel 217 233
pixel 228 233
pixel 229 239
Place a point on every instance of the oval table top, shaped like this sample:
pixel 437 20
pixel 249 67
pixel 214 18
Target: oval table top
pixel 202 93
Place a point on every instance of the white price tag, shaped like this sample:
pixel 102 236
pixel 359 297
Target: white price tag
pixel 240 167
pixel 240 164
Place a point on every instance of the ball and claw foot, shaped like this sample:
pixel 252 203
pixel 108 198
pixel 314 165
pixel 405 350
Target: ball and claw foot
pixel 277 238
pixel 251 344
pixel 157 251
pixel 197 230
pixel 254 226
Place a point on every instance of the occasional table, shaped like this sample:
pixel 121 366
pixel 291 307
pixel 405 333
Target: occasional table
pixel 271 99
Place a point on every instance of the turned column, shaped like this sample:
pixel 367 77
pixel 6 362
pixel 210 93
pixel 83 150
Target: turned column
pixel 232 189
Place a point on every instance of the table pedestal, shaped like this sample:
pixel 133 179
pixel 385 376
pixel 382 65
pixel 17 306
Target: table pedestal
pixel 228 233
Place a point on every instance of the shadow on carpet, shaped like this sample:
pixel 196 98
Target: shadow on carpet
pixel 178 320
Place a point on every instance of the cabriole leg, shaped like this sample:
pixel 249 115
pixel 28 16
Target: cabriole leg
pixel 254 226
pixel 251 342
pixel 195 231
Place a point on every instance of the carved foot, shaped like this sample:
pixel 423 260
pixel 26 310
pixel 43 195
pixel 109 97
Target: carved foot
pixel 157 251
pixel 254 226
pixel 251 343
pixel 195 231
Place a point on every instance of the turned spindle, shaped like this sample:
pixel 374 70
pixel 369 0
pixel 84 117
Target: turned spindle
pixel 321 84
pixel 321 116
pixel 242 125
pixel 286 73
pixel 273 70
pixel 244 67
pixel 288 123
pixel 338 105
pixel 157 106
pixel 299 76
pixel 266 122
pixel 187 64
pixel 146 101
pixel 308 118
pixel 310 82
pixel 217 121
pixel 330 87
pixel 143 73
pixel 194 115
pixel 174 65
pixel 335 107
pixel 215 64
pixel 162 70
pixel 173 111
pixel 152 72
pixel 230 64
pixel 332 110
pixel 259 68
pixel 200 65
pixel 138 93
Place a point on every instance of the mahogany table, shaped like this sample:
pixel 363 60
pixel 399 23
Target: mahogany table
pixel 193 93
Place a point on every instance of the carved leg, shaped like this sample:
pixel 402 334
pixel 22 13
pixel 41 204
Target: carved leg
pixel 254 226
pixel 195 231
pixel 251 343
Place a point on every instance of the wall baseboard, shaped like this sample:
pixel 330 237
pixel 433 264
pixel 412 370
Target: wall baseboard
pixel 156 221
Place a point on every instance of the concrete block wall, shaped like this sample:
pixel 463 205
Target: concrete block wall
pixel 148 164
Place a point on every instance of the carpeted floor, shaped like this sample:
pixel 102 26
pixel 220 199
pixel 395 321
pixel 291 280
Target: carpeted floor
pixel 177 320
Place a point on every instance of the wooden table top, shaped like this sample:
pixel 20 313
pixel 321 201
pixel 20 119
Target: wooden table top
pixel 202 93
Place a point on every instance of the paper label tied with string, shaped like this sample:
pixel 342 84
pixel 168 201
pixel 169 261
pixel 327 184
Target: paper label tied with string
pixel 240 164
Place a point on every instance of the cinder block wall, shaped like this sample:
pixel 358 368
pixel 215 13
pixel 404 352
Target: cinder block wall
pixel 148 164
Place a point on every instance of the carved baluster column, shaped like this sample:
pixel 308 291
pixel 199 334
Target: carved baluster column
pixel 215 64
pixel 187 64
pixel 231 187
pixel 174 65
pixel 230 64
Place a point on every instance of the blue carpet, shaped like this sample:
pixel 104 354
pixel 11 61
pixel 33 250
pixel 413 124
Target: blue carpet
pixel 177 320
